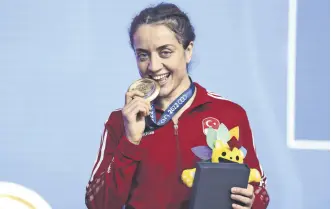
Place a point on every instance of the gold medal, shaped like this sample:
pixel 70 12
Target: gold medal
pixel 149 87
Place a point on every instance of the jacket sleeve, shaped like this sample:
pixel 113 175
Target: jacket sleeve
pixel 245 134
pixel 112 173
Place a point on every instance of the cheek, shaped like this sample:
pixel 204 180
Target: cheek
pixel 176 66
pixel 181 63
pixel 142 67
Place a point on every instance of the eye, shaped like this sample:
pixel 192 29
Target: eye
pixel 237 158
pixel 166 53
pixel 223 154
pixel 141 56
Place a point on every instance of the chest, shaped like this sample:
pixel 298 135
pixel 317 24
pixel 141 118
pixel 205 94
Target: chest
pixel 174 140
pixel 170 147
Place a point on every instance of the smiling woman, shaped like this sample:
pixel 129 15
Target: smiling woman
pixel 143 151
pixel 161 57
pixel 162 39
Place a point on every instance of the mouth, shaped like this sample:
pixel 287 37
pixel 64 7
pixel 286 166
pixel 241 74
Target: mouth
pixel 161 79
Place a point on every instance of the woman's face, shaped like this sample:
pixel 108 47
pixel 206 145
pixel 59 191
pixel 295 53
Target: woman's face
pixel 161 57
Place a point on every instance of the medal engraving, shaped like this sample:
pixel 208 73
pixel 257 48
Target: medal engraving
pixel 147 86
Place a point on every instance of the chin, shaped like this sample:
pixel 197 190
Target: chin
pixel 165 91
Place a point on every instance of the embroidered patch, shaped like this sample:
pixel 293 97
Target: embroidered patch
pixel 216 133
pixel 218 149
pixel 209 122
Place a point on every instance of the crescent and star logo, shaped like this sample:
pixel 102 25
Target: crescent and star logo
pixel 210 122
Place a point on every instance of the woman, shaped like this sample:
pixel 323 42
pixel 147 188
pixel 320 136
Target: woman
pixel 140 166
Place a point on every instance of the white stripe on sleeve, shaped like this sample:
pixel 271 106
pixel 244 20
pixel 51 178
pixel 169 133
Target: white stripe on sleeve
pixel 104 139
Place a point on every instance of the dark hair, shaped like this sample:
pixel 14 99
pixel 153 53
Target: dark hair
pixel 169 15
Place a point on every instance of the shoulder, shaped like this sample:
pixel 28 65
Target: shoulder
pixel 227 111
pixel 222 104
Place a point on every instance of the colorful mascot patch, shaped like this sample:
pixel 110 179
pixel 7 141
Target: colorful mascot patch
pixel 218 149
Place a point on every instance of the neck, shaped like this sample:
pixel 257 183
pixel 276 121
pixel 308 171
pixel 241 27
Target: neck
pixel 164 102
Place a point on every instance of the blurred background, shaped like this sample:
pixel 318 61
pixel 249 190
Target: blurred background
pixel 65 65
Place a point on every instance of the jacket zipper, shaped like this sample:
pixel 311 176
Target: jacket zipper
pixel 176 129
pixel 179 160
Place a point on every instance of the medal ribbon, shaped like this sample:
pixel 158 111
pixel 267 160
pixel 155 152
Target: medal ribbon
pixel 173 108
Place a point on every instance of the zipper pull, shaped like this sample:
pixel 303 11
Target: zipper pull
pixel 176 129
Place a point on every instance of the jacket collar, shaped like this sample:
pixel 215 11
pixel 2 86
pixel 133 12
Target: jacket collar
pixel 201 97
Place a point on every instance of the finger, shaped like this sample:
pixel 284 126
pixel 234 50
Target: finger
pixel 139 110
pixel 138 101
pixel 235 206
pixel 137 98
pixel 132 114
pixel 242 191
pixel 250 187
pixel 137 107
pixel 129 96
pixel 247 201
pixel 132 110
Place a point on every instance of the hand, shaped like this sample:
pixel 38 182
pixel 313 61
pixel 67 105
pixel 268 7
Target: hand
pixel 134 112
pixel 242 195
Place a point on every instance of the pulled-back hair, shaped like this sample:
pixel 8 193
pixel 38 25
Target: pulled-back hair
pixel 169 15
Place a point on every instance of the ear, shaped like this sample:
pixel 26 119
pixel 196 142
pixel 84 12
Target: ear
pixel 189 52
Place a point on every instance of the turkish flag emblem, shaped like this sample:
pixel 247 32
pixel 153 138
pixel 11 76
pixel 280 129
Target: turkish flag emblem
pixel 209 122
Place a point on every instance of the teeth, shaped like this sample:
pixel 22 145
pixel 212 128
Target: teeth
pixel 159 77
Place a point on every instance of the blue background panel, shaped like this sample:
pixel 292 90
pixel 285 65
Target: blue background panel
pixel 313 70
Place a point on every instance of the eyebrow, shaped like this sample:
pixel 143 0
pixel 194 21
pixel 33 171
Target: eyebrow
pixel 158 48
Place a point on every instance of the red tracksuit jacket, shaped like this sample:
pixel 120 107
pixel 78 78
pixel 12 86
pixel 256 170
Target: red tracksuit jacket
pixel 147 176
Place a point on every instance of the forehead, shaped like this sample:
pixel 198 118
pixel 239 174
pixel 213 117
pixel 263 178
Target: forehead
pixel 151 36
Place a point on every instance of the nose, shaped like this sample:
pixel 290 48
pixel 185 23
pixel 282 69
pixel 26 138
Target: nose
pixel 155 64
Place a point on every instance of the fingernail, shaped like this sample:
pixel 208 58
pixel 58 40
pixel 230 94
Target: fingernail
pixel 233 190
